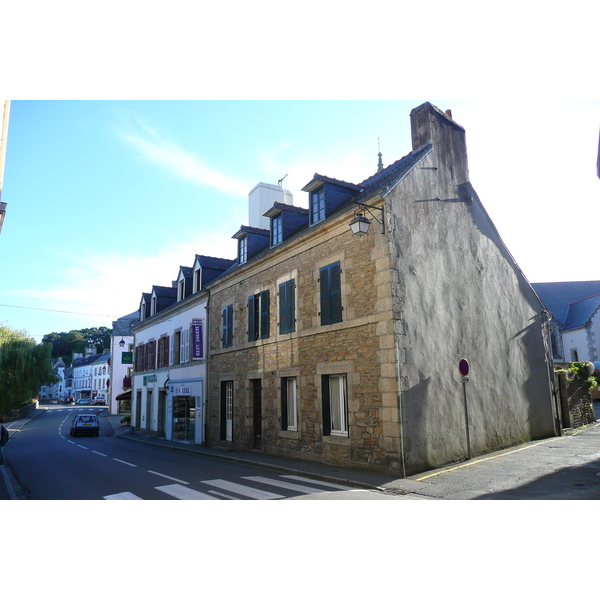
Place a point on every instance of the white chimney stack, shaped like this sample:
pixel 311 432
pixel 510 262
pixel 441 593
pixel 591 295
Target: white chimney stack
pixel 261 198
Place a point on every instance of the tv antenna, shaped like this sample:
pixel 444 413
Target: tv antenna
pixel 281 180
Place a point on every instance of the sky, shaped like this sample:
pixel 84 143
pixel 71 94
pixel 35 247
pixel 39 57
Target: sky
pixel 107 198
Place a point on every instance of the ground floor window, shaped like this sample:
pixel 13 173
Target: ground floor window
pixel 289 404
pixel 335 405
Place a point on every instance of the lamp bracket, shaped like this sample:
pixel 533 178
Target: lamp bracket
pixel 369 209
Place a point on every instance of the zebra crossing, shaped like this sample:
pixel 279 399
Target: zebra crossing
pixel 222 489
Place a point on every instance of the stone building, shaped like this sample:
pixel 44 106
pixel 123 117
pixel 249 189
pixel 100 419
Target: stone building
pixel 345 349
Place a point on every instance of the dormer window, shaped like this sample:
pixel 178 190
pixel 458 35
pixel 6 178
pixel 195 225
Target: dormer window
pixel 276 230
pixel 197 277
pixel 143 311
pixel 153 306
pixel 181 288
pixel 317 206
pixel 243 250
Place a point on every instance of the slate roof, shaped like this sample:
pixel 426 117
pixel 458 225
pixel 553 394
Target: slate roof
pixel 212 262
pixel 579 313
pixel 571 303
pixel 122 326
pixel 394 172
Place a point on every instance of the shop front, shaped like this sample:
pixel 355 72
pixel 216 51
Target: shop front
pixel 185 411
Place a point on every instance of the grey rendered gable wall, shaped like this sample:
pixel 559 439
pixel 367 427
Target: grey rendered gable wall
pixel 457 293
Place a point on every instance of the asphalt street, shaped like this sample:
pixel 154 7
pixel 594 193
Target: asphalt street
pixel 564 467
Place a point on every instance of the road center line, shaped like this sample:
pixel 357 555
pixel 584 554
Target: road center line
pixel 124 462
pixel 84 447
pixel 100 453
pixel 169 477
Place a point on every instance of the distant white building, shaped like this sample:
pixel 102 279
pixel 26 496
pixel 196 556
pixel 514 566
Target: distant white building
pixel 100 373
pixel 82 374
pixel 56 391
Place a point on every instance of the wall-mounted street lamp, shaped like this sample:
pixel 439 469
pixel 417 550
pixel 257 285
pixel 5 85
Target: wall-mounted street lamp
pixel 360 224
pixel 122 343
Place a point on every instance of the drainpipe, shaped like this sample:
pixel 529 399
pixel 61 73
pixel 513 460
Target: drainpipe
pixel 546 316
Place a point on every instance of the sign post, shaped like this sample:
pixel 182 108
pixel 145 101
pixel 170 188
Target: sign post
pixel 463 367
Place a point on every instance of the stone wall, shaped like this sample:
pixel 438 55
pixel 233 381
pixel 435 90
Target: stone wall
pixel 361 346
pixel 576 401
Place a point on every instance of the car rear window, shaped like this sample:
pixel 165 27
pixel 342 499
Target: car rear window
pixel 87 419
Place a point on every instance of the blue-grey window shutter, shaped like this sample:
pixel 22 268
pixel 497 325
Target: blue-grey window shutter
pixel 284 401
pixel 264 314
pixel 326 404
pixel 251 319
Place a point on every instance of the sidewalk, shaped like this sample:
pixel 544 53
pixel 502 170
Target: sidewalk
pixel 565 467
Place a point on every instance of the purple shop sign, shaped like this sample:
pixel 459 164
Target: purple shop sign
pixel 197 346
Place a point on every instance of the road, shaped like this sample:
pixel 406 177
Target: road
pixel 51 465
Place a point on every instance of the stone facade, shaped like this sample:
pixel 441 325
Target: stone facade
pixel 361 347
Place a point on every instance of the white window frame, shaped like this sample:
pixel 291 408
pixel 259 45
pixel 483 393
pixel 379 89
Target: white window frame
pixel 338 403
pixel 292 403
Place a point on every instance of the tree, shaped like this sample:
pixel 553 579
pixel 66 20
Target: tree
pixel 65 344
pixel 24 368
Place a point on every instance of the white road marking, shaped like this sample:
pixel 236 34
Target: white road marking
pixel 331 485
pixel 169 477
pixel 288 486
pixel 124 462
pixel 100 453
pixel 122 496
pixel 70 441
pixel 84 447
pixel 243 490
pixel 223 495
pixel 183 493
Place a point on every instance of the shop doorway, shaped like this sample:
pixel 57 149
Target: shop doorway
pixel 162 409
pixel 138 411
pixel 184 419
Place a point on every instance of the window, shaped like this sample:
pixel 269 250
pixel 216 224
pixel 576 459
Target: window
pixel 163 351
pixel 197 282
pixel 276 230
pixel 331 294
pixel 574 355
pixel 227 327
pixel 181 290
pixel 289 404
pixel 243 250
pixel 317 206
pixel 287 307
pixel 153 306
pixel 258 316
pixel 335 405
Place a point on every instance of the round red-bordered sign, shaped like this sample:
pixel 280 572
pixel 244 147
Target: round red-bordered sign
pixel 463 367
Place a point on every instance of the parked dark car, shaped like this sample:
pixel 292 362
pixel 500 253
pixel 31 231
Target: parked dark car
pixel 85 425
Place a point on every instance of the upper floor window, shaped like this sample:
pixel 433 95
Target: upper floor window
pixel 258 316
pixel 153 306
pixel 276 230
pixel 317 206
pixel 330 282
pixel 227 326
pixel 287 307
pixel 181 289
pixel 243 250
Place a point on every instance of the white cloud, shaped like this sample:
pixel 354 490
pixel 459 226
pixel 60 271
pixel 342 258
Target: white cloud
pixel 181 163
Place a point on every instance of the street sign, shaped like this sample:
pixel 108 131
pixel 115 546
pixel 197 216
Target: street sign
pixel 463 367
